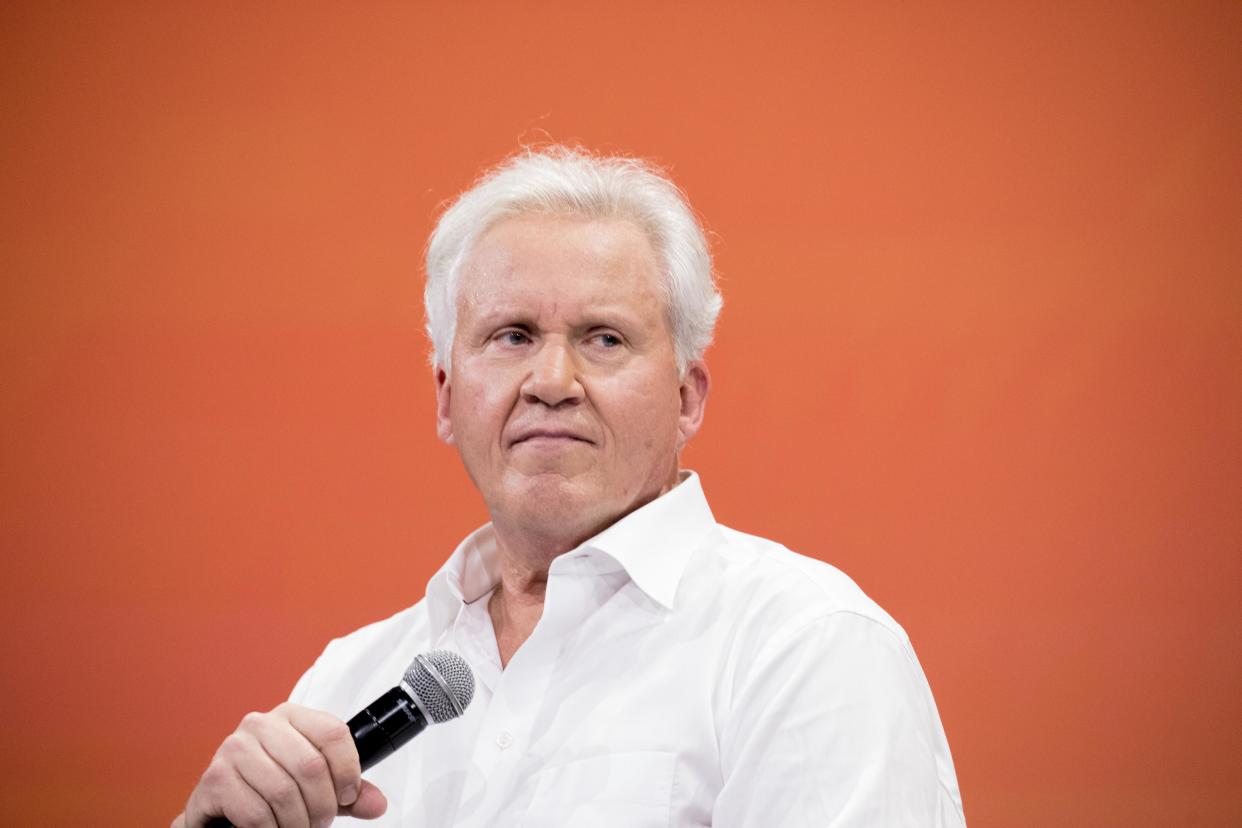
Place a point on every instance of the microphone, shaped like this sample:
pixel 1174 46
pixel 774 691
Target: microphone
pixel 437 686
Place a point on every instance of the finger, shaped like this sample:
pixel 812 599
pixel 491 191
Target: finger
pixel 223 793
pixel 333 739
pixel 370 803
pixel 268 779
pixel 302 761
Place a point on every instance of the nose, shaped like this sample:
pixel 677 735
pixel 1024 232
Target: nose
pixel 553 379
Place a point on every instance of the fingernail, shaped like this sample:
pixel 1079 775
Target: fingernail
pixel 350 795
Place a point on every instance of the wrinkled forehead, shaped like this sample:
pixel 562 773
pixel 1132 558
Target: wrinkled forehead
pixel 557 260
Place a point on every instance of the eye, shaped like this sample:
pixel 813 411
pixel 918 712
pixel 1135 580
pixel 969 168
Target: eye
pixel 607 340
pixel 511 337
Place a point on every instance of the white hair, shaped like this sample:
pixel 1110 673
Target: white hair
pixel 561 180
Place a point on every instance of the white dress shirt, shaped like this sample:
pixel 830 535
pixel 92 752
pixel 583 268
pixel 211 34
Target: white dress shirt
pixel 682 673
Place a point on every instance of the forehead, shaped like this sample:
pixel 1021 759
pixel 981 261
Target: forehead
pixel 564 259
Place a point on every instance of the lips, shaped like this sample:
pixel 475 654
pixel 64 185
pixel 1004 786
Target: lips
pixel 549 434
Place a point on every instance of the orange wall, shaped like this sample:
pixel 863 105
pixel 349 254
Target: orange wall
pixel 982 349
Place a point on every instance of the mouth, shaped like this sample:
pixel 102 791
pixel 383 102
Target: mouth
pixel 549 436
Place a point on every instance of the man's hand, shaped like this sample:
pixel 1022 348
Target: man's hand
pixel 292 766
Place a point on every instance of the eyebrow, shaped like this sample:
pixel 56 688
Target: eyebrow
pixel 594 317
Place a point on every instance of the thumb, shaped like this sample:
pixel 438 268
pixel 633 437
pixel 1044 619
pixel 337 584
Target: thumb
pixel 370 803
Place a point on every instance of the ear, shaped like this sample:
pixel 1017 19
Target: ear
pixel 444 422
pixel 695 386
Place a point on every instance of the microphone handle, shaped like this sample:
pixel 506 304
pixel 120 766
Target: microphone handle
pixel 385 725
pixel 378 730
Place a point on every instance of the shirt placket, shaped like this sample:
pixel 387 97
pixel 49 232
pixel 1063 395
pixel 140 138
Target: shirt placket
pixel 526 683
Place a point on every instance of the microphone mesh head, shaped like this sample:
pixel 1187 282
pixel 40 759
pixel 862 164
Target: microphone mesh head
pixel 439 678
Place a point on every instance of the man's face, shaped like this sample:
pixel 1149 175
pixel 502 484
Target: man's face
pixel 564 400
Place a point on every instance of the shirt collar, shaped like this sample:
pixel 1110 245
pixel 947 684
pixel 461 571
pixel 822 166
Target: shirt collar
pixel 653 544
pixel 470 573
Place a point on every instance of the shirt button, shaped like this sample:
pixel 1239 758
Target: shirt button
pixel 504 739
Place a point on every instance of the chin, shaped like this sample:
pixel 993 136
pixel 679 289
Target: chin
pixel 552 504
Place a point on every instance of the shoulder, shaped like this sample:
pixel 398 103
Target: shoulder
pixel 374 639
pixel 363 663
pixel 771 582
pixel 811 660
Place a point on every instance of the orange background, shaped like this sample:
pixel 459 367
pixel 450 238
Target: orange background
pixel 982 349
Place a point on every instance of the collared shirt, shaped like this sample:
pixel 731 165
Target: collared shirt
pixel 682 674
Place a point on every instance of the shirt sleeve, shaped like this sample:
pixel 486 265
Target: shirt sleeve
pixel 834 725
pixel 300 690
pixel 305 688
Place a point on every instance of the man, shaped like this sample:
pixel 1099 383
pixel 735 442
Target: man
pixel 637 663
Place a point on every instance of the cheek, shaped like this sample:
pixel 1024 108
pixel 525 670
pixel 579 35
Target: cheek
pixel 646 419
pixel 478 410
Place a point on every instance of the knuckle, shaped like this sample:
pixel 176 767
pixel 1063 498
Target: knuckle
pixel 252 721
pixel 285 793
pixel 337 733
pixel 233 746
pixel 285 711
pixel 312 766
pixel 216 774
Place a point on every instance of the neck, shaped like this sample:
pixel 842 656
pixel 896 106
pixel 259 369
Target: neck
pixel 525 555
pixel 517 604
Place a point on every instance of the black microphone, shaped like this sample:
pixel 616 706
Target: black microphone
pixel 436 687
